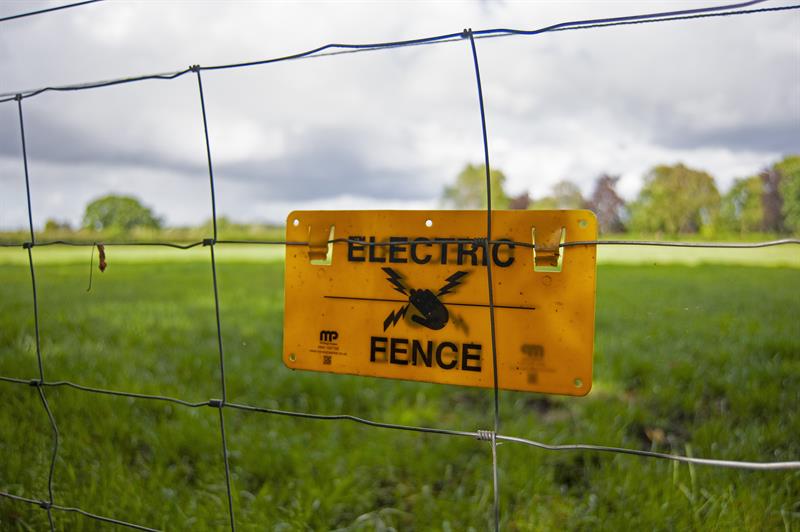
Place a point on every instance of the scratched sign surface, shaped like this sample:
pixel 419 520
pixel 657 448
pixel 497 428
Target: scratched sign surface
pixel 406 297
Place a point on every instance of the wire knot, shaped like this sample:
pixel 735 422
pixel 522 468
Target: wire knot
pixel 35 382
pixel 215 403
pixel 18 97
pixel 209 242
pixel 27 245
pixel 485 435
pixel 480 242
pixel 195 68
pixel 45 505
pixel 467 33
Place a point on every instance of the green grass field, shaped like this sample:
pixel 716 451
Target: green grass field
pixel 691 357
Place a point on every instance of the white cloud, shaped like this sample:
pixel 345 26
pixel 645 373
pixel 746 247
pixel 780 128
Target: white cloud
pixel 384 129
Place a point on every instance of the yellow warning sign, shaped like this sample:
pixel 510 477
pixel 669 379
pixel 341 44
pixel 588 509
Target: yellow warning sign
pixel 404 295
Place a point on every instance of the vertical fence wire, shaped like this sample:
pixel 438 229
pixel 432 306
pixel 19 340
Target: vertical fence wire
pixel 38 383
pixel 496 388
pixel 210 242
pixel 490 436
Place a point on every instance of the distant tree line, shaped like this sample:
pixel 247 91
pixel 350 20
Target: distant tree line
pixel 673 200
pixel 114 216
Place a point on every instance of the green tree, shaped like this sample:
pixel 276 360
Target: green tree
pixel 547 203
pixel 568 195
pixel 742 209
pixel 52 225
pixel 789 168
pixel 564 195
pixel 469 190
pixel 121 213
pixel 675 199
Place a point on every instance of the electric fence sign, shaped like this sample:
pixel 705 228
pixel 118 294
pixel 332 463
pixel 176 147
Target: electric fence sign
pixel 405 295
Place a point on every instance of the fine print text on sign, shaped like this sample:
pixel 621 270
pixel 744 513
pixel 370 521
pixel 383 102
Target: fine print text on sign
pixel 404 295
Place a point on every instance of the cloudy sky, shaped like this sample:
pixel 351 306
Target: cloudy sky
pixel 385 129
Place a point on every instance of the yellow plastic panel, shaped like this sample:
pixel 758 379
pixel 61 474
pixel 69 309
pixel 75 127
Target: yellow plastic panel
pixel 420 311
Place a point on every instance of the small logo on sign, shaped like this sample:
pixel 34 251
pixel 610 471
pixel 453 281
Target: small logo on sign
pixel 534 351
pixel 328 336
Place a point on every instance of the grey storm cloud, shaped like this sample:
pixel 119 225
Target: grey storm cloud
pixel 48 139
pixel 318 163
pixel 329 162
pixel 781 137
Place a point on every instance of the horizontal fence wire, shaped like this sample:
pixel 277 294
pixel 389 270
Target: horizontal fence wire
pixel 482 435
pixel 493 436
pixel 46 505
pixel 47 10
pixel 416 241
pixel 320 51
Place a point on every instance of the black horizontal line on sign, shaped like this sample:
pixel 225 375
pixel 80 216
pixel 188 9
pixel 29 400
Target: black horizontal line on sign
pixel 443 302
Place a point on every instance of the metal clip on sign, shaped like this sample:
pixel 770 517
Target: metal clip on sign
pixel 318 236
pixel 547 250
pixel 404 295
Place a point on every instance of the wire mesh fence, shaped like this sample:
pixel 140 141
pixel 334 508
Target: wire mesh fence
pixel 42 384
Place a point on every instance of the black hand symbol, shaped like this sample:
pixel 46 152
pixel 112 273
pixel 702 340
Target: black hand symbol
pixel 434 315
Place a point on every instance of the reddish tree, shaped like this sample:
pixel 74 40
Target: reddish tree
pixel 520 202
pixel 607 205
pixel 771 200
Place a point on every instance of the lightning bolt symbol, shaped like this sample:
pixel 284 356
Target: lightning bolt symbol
pixel 397 280
pixel 452 281
pixel 394 317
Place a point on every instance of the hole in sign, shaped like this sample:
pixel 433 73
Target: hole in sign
pixel 578 382
pixel 428 223
pixel 296 222
pixel 292 357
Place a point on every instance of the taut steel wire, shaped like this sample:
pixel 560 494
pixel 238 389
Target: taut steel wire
pixel 493 436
